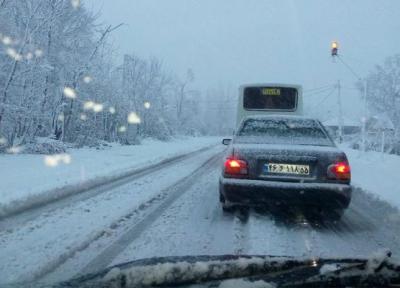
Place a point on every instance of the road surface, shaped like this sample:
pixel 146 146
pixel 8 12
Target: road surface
pixel 173 211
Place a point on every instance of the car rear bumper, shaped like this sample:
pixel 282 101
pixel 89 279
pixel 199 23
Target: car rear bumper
pixel 258 192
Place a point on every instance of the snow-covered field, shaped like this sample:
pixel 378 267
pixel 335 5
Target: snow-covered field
pixel 376 173
pixel 24 177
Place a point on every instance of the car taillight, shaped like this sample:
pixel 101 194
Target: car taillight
pixel 235 167
pixel 339 171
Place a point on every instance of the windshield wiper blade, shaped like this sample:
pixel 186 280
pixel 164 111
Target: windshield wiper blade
pixel 284 271
pixel 376 271
pixel 159 272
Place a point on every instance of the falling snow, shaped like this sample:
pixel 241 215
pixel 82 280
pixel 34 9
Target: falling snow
pixel 98 107
pixel 71 105
pixel 69 92
pixel 55 160
pixel 38 53
pixel 147 105
pixel 88 105
pixel 6 40
pixel 14 150
pixel 133 118
pixel 87 79
pixel 14 54
pixel 122 129
pixel 75 3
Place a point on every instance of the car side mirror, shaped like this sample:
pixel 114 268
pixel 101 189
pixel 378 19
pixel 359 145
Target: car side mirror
pixel 226 141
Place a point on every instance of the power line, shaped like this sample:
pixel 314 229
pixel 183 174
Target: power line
pixel 324 99
pixel 318 88
pixel 350 88
pixel 349 67
pixel 320 91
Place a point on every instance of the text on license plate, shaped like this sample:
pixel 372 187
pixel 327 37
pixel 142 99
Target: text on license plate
pixel 286 169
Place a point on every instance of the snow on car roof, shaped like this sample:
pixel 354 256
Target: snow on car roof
pixel 287 147
pixel 270 84
pixel 279 117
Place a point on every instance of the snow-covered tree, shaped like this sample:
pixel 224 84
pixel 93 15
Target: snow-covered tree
pixel 383 101
pixel 383 89
pixel 58 80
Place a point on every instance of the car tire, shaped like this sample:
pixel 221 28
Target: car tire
pixel 335 214
pixel 221 198
pixel 225 207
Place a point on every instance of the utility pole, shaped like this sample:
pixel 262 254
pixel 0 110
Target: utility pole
pixel 340 114
pixel 335 54
pixel 364 119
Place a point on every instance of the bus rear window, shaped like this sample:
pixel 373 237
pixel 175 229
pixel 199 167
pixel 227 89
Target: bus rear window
pixel 270 98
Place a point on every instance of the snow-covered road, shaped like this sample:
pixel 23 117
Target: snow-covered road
pixel 175 211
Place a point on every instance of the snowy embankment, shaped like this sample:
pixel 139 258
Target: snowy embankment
pixel 376 173
pixel 30 179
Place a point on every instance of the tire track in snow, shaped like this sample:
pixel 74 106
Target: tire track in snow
pixel 193 225
pixel 54 264
pixel 174 192
pixel 368 225
pixel 86 191
pixel 355 235
pixel 47 264
pixel 240 231
pixel 274 234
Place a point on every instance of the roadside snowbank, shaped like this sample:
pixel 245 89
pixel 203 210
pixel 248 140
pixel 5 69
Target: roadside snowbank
pixel 23 177
pixel 376 173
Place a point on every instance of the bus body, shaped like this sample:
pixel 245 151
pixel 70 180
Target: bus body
pixel 269 98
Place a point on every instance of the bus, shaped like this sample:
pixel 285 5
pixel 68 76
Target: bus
pixel 266 99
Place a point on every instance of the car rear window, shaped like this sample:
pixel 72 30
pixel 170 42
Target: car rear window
pixel 270 98
pixel 283 131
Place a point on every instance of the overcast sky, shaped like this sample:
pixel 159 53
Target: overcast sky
pixel 230 42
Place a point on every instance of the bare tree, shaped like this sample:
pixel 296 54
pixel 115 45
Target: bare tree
pixel 183 92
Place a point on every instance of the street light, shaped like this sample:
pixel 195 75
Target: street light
pixel 335 48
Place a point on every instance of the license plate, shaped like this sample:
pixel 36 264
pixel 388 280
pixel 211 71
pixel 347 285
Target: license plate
pixel 278 168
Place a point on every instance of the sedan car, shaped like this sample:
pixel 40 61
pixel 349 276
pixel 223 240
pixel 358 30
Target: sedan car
pixel 290 160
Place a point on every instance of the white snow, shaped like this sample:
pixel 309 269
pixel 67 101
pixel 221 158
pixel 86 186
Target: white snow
pixel 194 224
pixel 25 176
pixel 39 245
pixel 376 260
pixel 376 173
pixel 287 147
pixel 245 284
pixel 181 272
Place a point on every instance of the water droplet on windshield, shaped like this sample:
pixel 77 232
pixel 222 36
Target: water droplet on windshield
pixel 133 118
pixel 69 93
pixel 75 3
